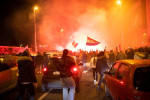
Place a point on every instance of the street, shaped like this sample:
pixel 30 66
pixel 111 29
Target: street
pixel 88 91
pixel 50 39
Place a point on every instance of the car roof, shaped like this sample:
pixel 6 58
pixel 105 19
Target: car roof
pixel 54 57
pixel 136 61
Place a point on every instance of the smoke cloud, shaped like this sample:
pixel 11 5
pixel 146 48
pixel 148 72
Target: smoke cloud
pixel 60 22
pixel 78 19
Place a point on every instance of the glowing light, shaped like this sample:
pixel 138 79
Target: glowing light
pixel 62 30
pixel 35 8
pixel 1 59
pixel 80 37
pixel 144 34
pixel 59 48
pixel 121 82
pixel 119 2
pixel 74 69
pixel 45 69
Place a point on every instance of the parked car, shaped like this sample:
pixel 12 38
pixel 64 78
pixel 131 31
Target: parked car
pixel 128 80
pixel 51 76
pixel 54 54
pixel 8 73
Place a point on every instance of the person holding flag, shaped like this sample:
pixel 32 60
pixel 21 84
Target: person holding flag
pixel 74 44
pixel 91 42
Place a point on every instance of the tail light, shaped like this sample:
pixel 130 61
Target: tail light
pixel 45 69
pixel 121 82
pixel 74 70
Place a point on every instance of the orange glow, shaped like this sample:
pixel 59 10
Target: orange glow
pixel 144 34
pixel 62 30
pixel 112 26
pixel 119 2
pixel 36 8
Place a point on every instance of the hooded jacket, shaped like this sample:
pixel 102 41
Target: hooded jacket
pixel 26 70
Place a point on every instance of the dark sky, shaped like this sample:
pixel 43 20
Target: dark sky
pixel 15 13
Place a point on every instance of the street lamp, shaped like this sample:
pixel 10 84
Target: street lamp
pixel 35 8
pixel 119 3
pixel 61 33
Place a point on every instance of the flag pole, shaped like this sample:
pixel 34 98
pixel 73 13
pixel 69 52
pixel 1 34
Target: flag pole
pixel 85 43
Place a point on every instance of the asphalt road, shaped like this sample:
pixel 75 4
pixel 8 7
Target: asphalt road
pixel 88 91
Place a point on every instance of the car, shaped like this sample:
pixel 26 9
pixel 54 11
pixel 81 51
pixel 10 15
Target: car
pixel 54 54
pixel 128 80
pixel 51 76
pixel 8 73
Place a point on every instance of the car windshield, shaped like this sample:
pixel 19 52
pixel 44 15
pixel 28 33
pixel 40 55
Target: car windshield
pixel 52 63
pixel 142 79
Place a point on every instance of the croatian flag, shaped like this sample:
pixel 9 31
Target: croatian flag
pixel 91 42
pixel 26 47
pixel 74 44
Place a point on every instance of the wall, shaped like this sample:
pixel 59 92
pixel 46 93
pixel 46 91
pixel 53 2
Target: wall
pixel 148 18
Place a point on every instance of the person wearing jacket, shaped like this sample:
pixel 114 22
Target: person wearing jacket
pixel 121 55
pixel 66 63
pixel 140 54
pixel 27 80
pixel 39 62
pixel 101 67
pixel 130 53
pixel 93 66
pixel 111 58
pixel 84 60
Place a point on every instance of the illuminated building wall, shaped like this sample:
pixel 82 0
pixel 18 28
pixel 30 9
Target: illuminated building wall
pixel 13 49
pixel 148 18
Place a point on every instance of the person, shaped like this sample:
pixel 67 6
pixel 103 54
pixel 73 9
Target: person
pixel 111 57
pixel 130 53
pixel 45 59
pixel 148 55
pixel 27 80
pixel 140 54
pixel 93 66
pixel 65 65
pixel 84 60
pixel 121 55
pixel 101 67
pixel 39 63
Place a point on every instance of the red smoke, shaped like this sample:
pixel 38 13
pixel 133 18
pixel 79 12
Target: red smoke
pixel 103 21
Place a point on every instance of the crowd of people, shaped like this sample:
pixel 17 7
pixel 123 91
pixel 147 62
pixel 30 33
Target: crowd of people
pixel 100 61
pixel 113 55
pixel 40 61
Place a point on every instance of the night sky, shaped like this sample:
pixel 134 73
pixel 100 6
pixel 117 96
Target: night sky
pixel 14 13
